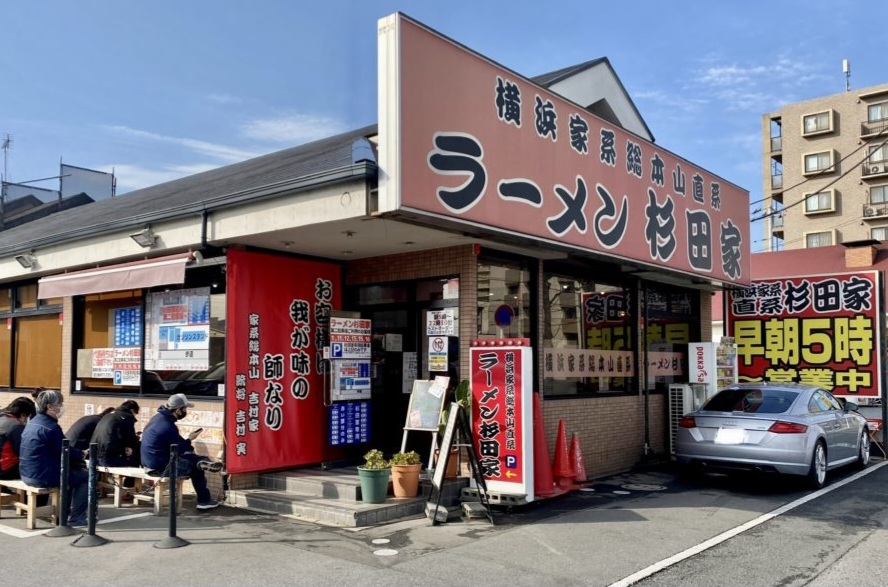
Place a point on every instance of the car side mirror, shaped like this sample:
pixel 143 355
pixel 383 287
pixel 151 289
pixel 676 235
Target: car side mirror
pixel 850 406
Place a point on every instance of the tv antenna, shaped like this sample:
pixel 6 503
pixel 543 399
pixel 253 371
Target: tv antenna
pixel 846 69
pixel 6 145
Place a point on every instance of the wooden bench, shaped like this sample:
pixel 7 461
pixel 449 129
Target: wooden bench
pixel 113 477
pixel 27 500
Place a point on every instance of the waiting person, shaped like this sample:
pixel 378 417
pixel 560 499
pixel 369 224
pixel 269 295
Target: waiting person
pixel 41 454
pixel 13 419
pixel 80 433
pixel 161 433
pixel 115 435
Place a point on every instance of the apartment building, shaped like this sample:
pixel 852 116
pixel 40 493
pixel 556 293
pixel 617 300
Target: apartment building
pixel 825 170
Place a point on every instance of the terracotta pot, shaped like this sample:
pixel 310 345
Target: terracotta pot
pixel 405 480
pixel 452 463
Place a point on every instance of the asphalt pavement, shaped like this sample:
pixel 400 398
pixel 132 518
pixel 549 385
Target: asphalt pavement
pixel 620 526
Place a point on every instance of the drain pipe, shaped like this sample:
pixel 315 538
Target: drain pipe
pixel 644 372
pixel 204 218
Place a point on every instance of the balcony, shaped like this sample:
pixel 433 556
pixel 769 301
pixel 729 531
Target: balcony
pixel 875 211
pixel 777 223
pixel 776 144
pixel 873 128
pixel 777 182
pixel 878 168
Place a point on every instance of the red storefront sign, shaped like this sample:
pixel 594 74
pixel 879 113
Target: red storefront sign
pixel 821 329
pixel 490 148
pixel 502 414
pixel 278 323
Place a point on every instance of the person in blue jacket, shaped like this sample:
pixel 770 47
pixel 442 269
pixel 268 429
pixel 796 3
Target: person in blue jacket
pixel 41 454
pixel 161 433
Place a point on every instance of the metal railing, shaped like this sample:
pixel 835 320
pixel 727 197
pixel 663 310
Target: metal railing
pixel 873 127
pixel 777 182
pixel 776 143
pixel 877 167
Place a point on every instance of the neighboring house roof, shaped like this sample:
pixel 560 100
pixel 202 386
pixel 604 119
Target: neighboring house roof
pixel 802 262
pixel 315 163
pixel 595 85
pixel 37 209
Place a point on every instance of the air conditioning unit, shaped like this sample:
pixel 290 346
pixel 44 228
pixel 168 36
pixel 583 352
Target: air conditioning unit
pixel 869 211
pixel 876 169
pixel 683 398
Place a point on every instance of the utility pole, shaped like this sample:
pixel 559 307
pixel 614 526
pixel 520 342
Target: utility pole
pixel 6 145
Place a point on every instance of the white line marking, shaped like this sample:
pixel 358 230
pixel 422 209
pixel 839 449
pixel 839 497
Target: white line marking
pixel 18 533
pixel 728 534
pixel 15 532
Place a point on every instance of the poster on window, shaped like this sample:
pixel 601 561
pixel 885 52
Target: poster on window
pixel 178 330
pixel 820 329
pixel 279 322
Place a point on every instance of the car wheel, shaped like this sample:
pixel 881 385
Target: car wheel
pixel 863 455
pixel 817 472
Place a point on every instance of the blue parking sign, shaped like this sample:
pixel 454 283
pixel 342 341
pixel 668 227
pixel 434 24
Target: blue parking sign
pixel 336 350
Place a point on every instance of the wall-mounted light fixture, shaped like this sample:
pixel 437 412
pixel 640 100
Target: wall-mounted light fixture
pixel 28 260
pixel 145 237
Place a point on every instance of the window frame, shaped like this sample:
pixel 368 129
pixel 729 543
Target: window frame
pixel 883 188
pixel 883 106
pixel 14 312
pixel 831 207
pixel 831 233
pixel 830 168
pixel 879 229
pixel 815 115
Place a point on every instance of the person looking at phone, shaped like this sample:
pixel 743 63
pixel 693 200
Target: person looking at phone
pixel 161 433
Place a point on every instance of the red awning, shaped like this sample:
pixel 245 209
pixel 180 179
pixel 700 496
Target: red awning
pixel 136 275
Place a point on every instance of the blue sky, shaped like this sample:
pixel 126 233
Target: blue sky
pixel 158 90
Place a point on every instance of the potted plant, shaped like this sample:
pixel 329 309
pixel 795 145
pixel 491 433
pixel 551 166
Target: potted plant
pixel 463 396
pixel 374 476
pixel 406 467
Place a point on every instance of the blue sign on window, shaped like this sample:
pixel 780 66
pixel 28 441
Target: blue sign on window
pixel 128 327
pixel 349 423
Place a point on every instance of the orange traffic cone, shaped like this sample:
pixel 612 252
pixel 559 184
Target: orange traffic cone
pixel 543 484
pixel 576 457
pixel 562 469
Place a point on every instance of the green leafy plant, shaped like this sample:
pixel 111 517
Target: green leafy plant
pixel 463 396
pixel 405 458
pixel 374 459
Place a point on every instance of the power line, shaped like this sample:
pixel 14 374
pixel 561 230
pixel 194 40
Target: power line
pixel 830 184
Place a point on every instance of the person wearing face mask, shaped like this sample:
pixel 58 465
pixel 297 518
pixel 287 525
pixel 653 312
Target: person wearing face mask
pixel 41 454
pixel 12 423
pixel 161 433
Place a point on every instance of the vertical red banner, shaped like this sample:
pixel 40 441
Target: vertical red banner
pixel 502 414
pixel 278 324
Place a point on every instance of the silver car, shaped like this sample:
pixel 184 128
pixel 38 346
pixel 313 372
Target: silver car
pixel 785 428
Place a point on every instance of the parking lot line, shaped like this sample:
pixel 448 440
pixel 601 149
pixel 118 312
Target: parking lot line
pixel 728 534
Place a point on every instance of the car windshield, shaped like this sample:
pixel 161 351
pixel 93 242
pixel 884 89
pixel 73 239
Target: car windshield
pixel 752 400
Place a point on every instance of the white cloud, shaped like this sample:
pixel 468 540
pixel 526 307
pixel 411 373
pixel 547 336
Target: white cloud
pixel 222 152
pixel 224 98
pixel 134 177
pixel 293 129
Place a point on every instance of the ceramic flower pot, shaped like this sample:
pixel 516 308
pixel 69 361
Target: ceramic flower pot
pixel 374 484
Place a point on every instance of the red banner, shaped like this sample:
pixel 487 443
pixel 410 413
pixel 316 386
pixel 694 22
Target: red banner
pixel 501 414
pixel 278 323
pixel 822 330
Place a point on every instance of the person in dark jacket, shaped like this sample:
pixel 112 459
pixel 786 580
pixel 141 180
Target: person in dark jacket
pixel 13 419
pixel 161 433
pixel 41 454
pixel 116 439
pixel 80 433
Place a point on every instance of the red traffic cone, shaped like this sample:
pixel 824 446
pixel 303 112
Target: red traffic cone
pixel 562 469
pixel 576 457
pixel 543 484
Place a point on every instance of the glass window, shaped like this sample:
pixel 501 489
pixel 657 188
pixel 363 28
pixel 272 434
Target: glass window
pixel 819 202
pixel 878 154
pixel 813 123
pixel 818 239
pixel 587 337
pixel 108 353
pixel 880 234
pixel 504 299
pixel 752 401
pixel 879 194
pixel 382 294
pixel 818 162
pixel 672 317
pixel 877 112
pixel 30 339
